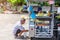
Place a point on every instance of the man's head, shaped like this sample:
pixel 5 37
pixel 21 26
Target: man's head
pixel 39 9
pixel 23 20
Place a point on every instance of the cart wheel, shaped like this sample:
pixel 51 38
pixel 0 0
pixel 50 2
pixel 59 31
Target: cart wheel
pixel 41 39
pixel 54 38
pixel 31 38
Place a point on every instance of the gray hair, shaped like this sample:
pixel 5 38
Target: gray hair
pixel 23 19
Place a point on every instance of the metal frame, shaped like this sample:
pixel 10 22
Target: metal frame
pixel 32 30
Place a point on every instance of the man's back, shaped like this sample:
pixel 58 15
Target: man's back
pixel 17 26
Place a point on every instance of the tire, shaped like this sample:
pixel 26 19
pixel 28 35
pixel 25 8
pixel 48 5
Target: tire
pixel 32 38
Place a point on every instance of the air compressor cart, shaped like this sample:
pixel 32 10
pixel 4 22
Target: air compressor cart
pixel 41 28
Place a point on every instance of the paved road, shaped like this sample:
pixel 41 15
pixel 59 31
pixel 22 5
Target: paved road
pixel 6 25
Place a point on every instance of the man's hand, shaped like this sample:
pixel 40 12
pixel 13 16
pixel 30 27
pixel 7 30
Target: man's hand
pixel 19 34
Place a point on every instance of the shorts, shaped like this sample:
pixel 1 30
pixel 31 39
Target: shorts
pixel 18 31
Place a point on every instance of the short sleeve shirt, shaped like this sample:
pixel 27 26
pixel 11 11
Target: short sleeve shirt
pixel 17 26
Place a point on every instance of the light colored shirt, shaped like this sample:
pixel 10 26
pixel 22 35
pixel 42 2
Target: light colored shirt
pixel 17 26
pixel 40 14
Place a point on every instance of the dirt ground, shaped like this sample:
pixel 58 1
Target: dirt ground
pixel 6 25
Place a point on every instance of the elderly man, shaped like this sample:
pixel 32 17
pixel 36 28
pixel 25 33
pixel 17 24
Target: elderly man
pixel 19 29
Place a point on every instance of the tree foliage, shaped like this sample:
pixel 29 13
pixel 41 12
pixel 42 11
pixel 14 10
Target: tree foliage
pixel 57 2
pixel 15 2
pixel 3 1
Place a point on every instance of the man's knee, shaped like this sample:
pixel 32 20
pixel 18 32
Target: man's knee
pixel 18 31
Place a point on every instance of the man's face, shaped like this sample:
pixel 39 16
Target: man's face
pixel 22 21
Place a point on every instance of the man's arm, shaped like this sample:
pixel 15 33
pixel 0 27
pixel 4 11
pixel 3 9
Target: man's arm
pixel 22 32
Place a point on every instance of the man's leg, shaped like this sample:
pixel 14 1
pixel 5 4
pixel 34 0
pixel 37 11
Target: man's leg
pixel 18 31
pixel 19 36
